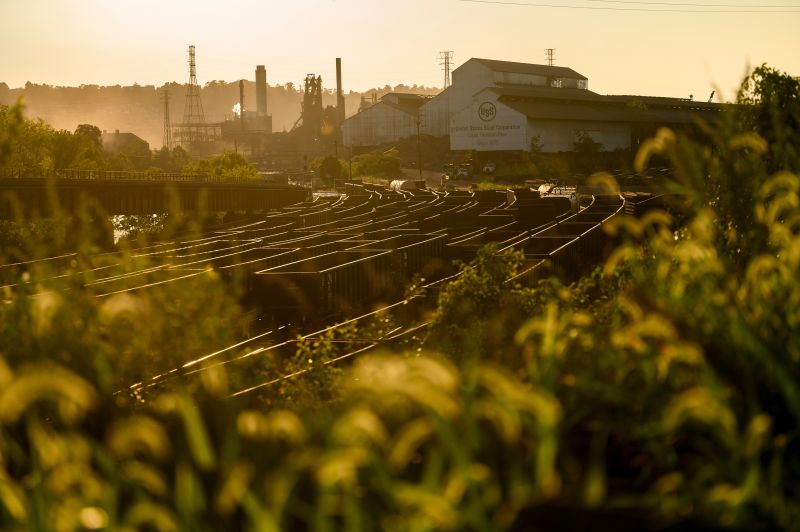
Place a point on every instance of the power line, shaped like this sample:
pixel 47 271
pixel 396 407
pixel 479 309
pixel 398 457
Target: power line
pixel 167 140
pixel 639 9
pixel 693 4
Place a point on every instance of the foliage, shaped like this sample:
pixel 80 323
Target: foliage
pixel 468 319
pixel 229 166
pixel 329 168
pixel 490 185
pixel 34 148
pixel 30 147
pixel 769 104
pixel 434 151
pixel 11 120
pixel 173 161
pixel 585 143
pixel 377 164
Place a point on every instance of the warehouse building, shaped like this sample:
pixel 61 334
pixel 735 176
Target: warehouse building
pixel 552 119
pixel 478 74
pixel 508 106
pixel 394 117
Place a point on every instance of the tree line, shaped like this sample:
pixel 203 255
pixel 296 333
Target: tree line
pixel 139 109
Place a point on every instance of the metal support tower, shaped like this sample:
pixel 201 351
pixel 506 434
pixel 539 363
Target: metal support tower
pixel 193 129
pixel 167 143
pixel 312 105
pixel 550 56
pixel 446 61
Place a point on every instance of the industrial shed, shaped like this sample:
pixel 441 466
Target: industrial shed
pixel 393 118
pixel 505 106
pixel 478 74
pixel 512 118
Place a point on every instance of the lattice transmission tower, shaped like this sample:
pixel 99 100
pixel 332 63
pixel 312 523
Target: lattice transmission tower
pixel 446 58
pixel 193 129
pixel 167 143
pixel 550 56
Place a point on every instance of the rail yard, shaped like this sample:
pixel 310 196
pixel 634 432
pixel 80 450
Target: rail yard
pixel 312 267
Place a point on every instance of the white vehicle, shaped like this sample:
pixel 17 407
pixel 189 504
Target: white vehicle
pixel 406 184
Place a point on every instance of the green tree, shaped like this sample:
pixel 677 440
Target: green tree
pixel 329 168
pixel 378 164
pixel 11 121
pixel 92 133
pixel 769 104
pixel 585 143
pixel 228 166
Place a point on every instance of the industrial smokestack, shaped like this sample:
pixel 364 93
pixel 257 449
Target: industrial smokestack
pixel 241 102
pixel 339 95
pixel 261 90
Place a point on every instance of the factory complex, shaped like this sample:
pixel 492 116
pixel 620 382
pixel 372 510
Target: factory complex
pixel 490 106
pixel 508 106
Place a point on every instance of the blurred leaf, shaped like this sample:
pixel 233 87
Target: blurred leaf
pixel 139 434
pixel 194 427
pixel 72 395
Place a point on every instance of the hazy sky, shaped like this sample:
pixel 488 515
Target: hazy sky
pixel 619 45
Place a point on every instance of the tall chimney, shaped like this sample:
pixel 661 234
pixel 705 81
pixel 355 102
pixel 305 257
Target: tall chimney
pixel 339 95
pixel 241 102
pixel 261 90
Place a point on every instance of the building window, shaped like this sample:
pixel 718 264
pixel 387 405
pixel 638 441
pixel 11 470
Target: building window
pixel 556 83
pixel 583 84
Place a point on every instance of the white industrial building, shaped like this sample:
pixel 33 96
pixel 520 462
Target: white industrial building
pixel 394 117
pixel 507 106
pixel 478 74
pixel 516 118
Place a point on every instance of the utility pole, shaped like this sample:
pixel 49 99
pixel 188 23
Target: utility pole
pixel 550 56
pixel 419 152
pixel 446 58
pixel 167 142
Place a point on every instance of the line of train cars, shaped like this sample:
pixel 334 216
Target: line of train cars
pixel 321 260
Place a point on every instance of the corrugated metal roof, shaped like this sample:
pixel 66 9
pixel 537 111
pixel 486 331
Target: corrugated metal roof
pixel 410 96
pixel 529 68
pixel 549 110
pixel 581 95
pixel 408 109
pixel 564 93
pixel 666 101
pixel 577 104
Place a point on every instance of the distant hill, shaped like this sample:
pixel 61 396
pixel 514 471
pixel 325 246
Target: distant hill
pixel 138 109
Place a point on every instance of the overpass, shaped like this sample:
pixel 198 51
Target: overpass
pixel 114 193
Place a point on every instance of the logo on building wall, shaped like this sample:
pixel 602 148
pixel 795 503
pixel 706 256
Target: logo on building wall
pixel 487 111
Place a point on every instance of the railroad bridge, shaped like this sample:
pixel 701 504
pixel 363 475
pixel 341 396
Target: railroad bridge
pixel 114 193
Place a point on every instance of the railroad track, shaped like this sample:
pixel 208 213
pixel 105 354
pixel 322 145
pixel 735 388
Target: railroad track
pixel 347 260
pixel 551 248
